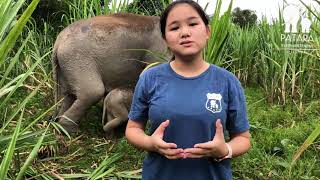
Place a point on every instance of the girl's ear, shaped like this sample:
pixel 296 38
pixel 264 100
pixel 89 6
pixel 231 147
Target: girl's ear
pixel 208 31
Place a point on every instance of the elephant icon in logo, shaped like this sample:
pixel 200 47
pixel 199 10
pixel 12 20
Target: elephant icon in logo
pixel 305 25
pixel 291 16
pixel 213 103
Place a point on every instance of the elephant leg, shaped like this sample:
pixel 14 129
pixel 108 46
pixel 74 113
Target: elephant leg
pixel 120 112
pixel 112 124
pixel 66 104
pixel 90 91
pixel 62 93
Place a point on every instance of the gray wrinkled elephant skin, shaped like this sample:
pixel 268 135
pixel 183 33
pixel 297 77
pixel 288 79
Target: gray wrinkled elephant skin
pixel 91 57
pixel 116 107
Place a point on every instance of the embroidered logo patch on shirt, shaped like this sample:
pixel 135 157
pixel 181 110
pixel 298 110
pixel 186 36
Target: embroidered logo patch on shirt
pixel 213 103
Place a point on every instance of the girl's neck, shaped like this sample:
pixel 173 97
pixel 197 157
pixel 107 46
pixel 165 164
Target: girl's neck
pixel 189 67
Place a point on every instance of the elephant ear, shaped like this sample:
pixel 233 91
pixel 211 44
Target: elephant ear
pixel 151 65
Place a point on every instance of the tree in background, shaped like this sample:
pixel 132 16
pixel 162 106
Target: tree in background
pixel 244 18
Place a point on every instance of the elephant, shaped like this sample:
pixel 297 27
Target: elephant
pixel 94 56
pixel 291 15
pixel 116 106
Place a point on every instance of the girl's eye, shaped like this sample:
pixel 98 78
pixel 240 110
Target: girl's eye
pixel 174 28
pixel 193 24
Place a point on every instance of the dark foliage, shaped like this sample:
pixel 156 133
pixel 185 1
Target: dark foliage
pixel 49 11
pixel 244 18
pixel 148 7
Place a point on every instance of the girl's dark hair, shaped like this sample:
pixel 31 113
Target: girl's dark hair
pixel 196 6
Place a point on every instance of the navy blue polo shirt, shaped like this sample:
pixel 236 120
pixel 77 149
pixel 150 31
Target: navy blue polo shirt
pixel 192 105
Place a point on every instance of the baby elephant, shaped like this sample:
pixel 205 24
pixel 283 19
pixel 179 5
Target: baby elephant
pixel 116 107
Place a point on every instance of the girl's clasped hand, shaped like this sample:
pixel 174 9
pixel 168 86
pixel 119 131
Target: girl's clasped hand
pixel 215 148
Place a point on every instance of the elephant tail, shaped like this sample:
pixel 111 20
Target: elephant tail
pixel 55 73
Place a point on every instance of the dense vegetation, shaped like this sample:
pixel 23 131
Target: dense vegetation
pixel 282 88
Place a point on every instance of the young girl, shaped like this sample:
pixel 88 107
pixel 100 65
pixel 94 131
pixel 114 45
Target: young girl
pixel 190 104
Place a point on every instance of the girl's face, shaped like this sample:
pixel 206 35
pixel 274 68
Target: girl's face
pixel 186 33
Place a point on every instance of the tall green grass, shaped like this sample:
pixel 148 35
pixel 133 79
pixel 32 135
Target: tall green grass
pixel 83 9
pixel 215 52
pixel 256 56
pixel 79 9
pixel 242 49
pixel 316 132
pixel 14 137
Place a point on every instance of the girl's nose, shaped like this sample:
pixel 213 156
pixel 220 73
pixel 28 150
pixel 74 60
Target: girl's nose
pixel 185 32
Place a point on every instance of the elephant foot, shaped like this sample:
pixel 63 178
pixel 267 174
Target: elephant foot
pixel 70 126
pixel 111 135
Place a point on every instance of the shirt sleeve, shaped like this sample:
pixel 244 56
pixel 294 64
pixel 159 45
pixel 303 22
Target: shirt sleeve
pixel 140 104
pixel 237 119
